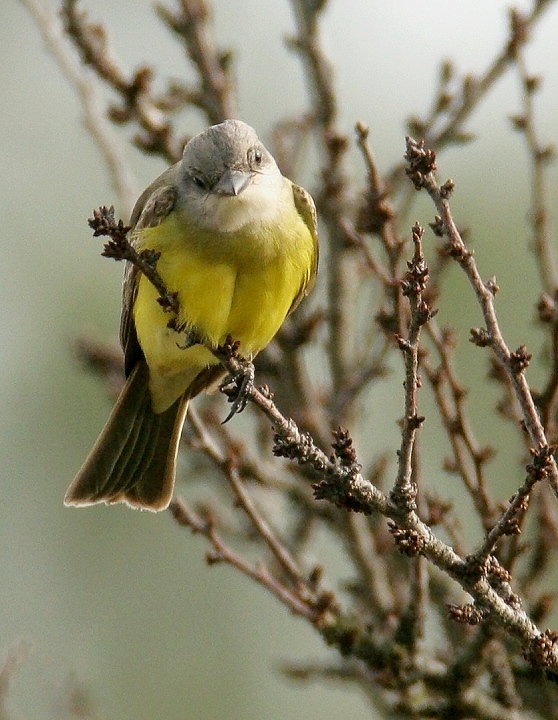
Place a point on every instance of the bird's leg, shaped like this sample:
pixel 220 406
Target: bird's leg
pixel 237 386
pixel 239 383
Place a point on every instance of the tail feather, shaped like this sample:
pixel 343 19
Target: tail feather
pixel 134 459
pixel 124 429
pixel 142 452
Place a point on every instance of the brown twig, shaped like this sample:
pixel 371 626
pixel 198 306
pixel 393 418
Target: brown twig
pixel 307 43
pixel 542 246
pixel 331 201
pixel 413 287
pixel 377 215
pixel 473 91
pixel 508 524
pixel 95 119
pixel 135 91
pixel 120 248
pixel 227 465
pixel 540 157
pixel 421 171
pixel 192 23
pixel 469 458
pixel 205 525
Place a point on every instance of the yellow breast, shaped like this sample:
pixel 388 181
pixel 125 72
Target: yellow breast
pixel 240 284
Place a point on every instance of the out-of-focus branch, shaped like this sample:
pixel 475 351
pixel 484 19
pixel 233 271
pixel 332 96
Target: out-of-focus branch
pixel 192 23
pixel 453 111
pixel 540 157
pixel 320 72
pixel 95 118
pixel 13 657
pixel 331 201
pixel 469 459
pixel 542 242
pixel 228 466
pixel 204 524
pixel 137 101
pixel 377 217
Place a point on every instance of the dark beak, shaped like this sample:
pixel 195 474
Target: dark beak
pixel 233 182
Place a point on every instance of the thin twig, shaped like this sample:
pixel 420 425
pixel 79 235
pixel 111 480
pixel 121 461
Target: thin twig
pixel 94 113
pixel 331 202
pixel 475 89
pixel 542 245
pixel 508 524
pixel 192 23
pixel 223 553
pixel 138 103
pixel 468 457
pixel 540 157
pixel 421 166
pixel 373 572
pixel 227 466
pixel 414 284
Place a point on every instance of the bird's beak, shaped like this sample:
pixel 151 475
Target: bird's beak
pixel 233 182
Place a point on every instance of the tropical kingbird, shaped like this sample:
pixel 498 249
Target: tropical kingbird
pixel 238 243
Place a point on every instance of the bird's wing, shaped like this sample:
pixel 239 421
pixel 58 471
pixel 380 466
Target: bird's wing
pixel 152 207
pixel 307 211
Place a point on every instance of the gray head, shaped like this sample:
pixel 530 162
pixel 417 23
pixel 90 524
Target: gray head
pixel 227 178
pixel 224 157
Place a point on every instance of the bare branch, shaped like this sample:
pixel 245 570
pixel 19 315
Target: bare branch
pixel 421 167
pixel 192 24
pixel 95 119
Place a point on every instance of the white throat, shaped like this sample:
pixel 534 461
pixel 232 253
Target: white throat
pixel 257 204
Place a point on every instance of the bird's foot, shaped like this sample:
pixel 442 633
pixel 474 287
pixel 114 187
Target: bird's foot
pixel 191 335
pixel 190 339
pixel 237 386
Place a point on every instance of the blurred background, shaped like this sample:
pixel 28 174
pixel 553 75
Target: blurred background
pixel 122 604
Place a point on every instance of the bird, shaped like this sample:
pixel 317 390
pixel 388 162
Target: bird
pixel 237 243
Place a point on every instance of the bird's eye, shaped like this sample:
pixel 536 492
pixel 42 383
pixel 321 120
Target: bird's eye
pixel 255 157
pixel 198 181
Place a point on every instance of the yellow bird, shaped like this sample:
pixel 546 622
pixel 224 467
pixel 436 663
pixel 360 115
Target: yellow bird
pixel 238 243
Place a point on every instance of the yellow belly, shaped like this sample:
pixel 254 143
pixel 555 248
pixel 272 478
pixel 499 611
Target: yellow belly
pixel 240 284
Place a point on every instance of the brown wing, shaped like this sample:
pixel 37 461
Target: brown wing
pixel 153 205
pixel 307 211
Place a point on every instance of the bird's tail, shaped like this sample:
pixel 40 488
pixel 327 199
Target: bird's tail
pixel 134 459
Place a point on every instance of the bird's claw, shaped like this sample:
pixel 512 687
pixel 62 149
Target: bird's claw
pixel 191 338
pixel 237 387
